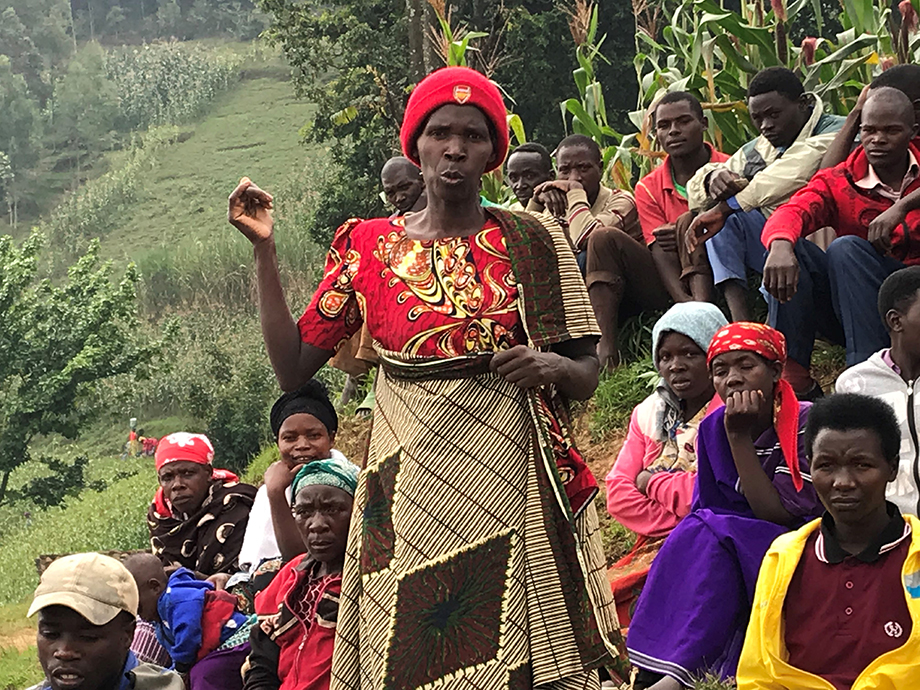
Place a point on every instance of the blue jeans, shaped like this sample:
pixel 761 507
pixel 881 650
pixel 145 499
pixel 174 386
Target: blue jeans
pixel 837 297
pixel 737 247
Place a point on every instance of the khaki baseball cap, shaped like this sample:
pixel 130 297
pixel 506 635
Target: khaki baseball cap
pixel 95 586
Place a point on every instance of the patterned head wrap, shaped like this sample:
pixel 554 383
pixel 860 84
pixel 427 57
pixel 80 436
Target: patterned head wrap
pixel 184 447
pixel 699 321
pixel 340 473
pixel 312 399
pixel 771 345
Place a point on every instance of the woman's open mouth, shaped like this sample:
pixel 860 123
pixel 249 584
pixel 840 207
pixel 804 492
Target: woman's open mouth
pixel 452 176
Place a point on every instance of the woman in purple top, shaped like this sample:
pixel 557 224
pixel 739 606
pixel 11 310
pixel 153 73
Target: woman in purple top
pixel 751 487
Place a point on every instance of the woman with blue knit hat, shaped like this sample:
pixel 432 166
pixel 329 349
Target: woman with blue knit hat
pixel 475 557
pixel 292 646
pixel 650 487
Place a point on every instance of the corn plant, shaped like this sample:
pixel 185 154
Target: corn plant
pixel 713 52
pixel 588 112
pixel 167 83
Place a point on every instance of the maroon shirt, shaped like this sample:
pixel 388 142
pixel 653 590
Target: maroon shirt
pixel 842 611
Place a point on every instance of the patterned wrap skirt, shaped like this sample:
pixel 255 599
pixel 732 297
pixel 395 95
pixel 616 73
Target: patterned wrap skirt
pixel 462 569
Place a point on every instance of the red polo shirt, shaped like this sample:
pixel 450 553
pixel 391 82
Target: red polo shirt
pixel 658 201
pixel 841 611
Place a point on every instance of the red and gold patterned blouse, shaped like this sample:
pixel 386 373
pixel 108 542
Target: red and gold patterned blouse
pixel 422 298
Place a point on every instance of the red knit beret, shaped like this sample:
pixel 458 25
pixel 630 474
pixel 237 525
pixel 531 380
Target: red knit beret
pixel 458 86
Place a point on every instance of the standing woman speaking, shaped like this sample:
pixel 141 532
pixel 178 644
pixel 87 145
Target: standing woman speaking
pixel 474 558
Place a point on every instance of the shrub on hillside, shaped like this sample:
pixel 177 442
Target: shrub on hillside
pixel 113 519
pixel 65 480
pixel 217 375
pixel 237 414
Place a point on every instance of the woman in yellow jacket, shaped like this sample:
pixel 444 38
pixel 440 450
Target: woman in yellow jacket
pixel 837 604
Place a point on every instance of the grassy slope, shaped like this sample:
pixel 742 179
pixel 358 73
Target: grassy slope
pixel 252 130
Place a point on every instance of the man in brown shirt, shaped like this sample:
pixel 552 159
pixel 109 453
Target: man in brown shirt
pixel 603 226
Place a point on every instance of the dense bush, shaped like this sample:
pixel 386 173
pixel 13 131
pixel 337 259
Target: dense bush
pixel 114 519
pixel 65 479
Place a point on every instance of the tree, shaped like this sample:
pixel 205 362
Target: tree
pixel 57 342
pixel 23 54
pixel 85 108
pixel 47 26
pixel 169 18
pixel 19 134
pixel 115 19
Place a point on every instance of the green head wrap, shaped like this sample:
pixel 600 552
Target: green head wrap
pixel 337 472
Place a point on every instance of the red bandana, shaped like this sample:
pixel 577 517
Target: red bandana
pixel 771 345
pixel 185 447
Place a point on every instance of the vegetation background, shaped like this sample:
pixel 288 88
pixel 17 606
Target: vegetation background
pixel 124 125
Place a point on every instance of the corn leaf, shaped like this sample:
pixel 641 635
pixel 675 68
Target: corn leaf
pixel 516 125
pixel 580 115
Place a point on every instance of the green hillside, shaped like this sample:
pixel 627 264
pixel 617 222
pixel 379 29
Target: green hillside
pixel 175 229
pixel 251 130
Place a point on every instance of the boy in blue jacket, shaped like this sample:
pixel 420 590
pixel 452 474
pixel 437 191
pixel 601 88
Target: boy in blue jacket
pixel 200 627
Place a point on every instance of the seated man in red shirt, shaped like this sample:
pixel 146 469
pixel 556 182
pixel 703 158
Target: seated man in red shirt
pixel 904 78
pixel 837 600
pixel 661 196
pixel 834 293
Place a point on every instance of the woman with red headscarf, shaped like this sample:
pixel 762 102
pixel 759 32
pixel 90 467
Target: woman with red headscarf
pixel 474 556
pixel 198 516
pixel 752 485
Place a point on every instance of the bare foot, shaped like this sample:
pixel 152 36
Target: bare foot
pixel 666 683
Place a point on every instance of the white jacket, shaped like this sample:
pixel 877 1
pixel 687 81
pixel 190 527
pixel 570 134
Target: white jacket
pixel 874 377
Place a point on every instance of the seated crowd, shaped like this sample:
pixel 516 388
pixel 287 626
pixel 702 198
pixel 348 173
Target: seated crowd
pixel 777 539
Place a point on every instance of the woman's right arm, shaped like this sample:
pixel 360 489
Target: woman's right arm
pixel 294 362
pixel 278 477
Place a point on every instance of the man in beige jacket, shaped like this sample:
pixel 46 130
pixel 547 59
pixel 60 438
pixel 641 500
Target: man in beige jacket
pixel 603 226
pixel 736 197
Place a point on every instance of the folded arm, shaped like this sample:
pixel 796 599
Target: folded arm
pixel 777 182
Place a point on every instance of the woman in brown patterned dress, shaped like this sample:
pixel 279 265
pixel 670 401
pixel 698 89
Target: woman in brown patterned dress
pixel 474 559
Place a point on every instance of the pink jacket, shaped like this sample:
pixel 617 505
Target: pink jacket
pixel 669 493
